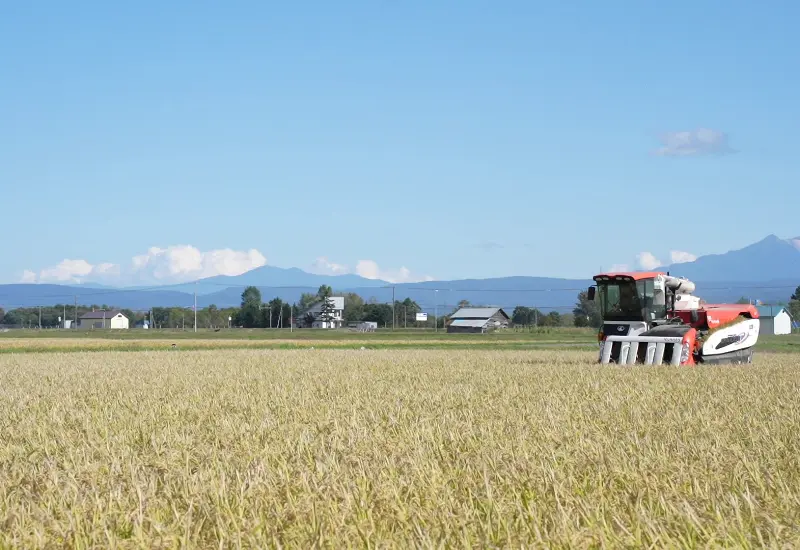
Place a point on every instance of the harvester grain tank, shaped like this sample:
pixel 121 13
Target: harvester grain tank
pixel 654 318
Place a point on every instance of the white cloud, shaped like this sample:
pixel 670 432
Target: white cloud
pixel 647 260
pixel 179 263
pixel 322 266
pixel 370 270
pixel 701 141
pixel 70 271
pixel 185 262
pixel 680 257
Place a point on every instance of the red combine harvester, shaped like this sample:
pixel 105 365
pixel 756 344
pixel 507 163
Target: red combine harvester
pixel 652 318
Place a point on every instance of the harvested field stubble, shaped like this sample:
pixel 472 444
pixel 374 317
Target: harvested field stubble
pixel 349 448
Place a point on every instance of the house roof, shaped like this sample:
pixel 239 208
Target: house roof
pixel 471 323
pixel 101 314
pixel 770 311
pixel 477 312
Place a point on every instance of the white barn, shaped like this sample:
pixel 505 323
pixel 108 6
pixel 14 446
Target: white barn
pixel 774 320
pixel 103 319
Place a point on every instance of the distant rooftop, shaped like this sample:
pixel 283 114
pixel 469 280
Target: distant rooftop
pixel 770 311
pixel 472 323
pixel 107 314
pixel 476 313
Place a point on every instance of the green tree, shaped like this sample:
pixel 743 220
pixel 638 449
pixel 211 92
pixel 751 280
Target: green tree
pixel 353 307
pixel 378 313
pixel 529 316
pixel 794 305
pixel 307 300
pixel 250 312
pixel 324 291
pixel 553 319
pixel 794 309
pixel 287 314
pixel 326 307
pixel 275 314
pixel 130 315
pixel 406 312
pixel 251 296
pixel 522 316
pixel 586 312
pixel 213 316
pixel 743 300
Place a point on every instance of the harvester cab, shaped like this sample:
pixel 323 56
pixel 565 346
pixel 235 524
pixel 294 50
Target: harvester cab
pixel 653 318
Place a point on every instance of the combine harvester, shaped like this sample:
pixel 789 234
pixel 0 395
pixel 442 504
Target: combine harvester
pixel 653 318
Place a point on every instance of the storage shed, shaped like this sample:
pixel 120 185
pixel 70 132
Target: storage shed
pixel 774 320
pixel 103 319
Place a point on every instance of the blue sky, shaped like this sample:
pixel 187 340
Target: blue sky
pixel 449 139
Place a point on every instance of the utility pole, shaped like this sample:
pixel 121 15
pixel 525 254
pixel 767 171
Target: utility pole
pixel 195 306
pixel 40 317
pixel 269 308
pixel 76 311
pixel 405 316
pixel 436 310
pixel 394 316
pixel 291 318
pixel 65 317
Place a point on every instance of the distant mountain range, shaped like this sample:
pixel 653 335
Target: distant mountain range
pixel 769 259
pixel 276 277
pixel 768 270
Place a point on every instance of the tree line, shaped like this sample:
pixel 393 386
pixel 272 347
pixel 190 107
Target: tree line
pixel 254 312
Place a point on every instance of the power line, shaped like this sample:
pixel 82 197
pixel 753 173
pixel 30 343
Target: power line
pixel 364 290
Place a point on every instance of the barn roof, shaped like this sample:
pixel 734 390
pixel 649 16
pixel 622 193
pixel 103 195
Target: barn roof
pixel 477 312
pixel 471 323
pixel 101 314
pixel 770 311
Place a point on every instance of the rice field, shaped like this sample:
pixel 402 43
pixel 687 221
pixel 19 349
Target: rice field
pixel 86 343
pixel 394 448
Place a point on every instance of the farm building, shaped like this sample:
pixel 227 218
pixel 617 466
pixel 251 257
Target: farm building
pixel 103 319
pixel 310 317
pixel 775 320
pixel 478 319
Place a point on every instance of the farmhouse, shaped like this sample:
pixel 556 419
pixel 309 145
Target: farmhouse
pixel 478 319
pixel 103 319
pixel 774 320
pixel 311 317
